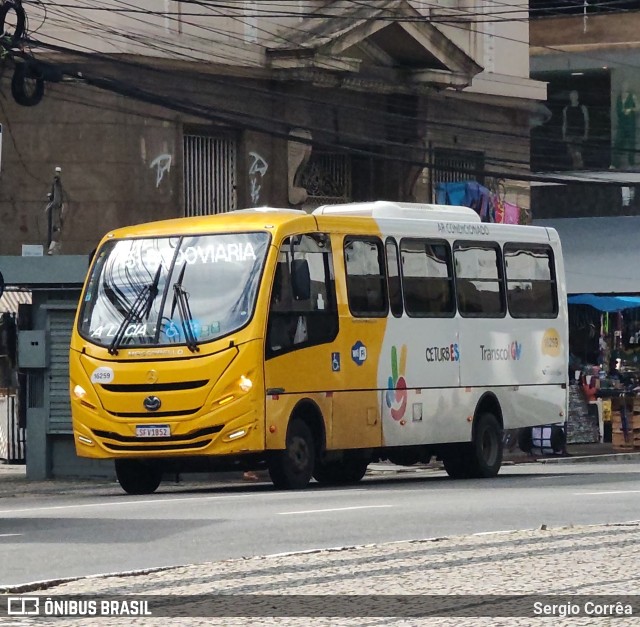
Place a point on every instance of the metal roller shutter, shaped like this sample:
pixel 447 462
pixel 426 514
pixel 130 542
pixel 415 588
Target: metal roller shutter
pixel 60 325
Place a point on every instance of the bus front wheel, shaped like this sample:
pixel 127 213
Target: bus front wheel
pixel 292 468
pixel 137 477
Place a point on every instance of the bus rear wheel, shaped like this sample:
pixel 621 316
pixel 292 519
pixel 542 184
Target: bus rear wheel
pixel 481 458
pixel 340 472
pixel 137 477
pixel 292 468
pixel 486 449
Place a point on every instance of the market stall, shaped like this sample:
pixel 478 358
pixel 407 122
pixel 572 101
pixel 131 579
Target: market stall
pixel 604 338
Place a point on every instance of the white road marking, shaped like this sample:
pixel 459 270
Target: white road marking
pixel 131 502
pixel 9 535
pixel 604 493
pixel 333 509
pixel 106 503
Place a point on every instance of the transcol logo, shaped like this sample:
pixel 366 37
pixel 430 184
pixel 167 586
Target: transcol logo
pixel 511 352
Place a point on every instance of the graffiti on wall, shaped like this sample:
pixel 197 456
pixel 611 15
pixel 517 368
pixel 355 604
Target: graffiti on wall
pixel 162 165
pixel 257 170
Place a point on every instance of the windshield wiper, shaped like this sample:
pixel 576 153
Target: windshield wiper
pixel 181 300
pixel 139 310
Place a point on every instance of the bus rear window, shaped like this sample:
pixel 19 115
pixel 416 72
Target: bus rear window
pixel 531 283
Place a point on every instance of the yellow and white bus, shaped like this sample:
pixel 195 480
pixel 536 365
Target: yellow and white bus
pixel 314 344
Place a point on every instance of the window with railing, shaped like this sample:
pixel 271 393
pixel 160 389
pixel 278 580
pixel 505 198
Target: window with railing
pixel 327 178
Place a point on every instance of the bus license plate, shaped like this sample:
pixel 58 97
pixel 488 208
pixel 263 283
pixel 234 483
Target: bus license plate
pixel 153 431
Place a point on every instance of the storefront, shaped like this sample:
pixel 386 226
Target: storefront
pixel 602 272
pixel 604 336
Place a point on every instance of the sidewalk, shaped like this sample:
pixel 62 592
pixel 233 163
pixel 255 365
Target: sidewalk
pixel 14 482
pixel 575 564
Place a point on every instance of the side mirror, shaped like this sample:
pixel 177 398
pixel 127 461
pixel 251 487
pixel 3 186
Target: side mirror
pixel 300 279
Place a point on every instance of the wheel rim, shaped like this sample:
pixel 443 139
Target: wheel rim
pixel 489 447
pixel 299 454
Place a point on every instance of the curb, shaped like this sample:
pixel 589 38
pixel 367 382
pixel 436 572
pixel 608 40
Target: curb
pixel 606 458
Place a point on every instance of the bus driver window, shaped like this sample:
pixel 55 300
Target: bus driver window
pixel 303 309
pixel 280 331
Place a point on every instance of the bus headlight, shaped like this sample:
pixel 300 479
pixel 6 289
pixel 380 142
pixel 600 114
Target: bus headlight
pixel 245 383
pixel 79 393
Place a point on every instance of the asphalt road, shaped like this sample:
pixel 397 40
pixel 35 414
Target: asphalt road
pixel 105 531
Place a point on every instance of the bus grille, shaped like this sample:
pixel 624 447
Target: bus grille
pixel 154 387
pixel 155 414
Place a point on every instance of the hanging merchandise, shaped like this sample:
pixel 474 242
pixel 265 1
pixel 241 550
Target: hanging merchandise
pixel 499 204
pixel 468 194
pixel 511 213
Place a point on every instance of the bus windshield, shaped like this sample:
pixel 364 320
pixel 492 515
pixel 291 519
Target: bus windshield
pixel 172 290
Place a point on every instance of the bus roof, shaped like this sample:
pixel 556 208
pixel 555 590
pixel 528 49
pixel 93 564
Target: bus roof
pixel 406 218
pixel 401 211
pixel 237 220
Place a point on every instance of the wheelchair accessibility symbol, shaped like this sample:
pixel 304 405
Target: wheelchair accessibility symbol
pixel 335 362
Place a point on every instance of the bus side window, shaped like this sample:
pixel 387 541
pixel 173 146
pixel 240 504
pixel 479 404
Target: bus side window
pixel 427 278
pixel 366 280
pixel 479 279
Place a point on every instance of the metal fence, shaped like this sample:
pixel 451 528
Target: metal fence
pixel 12 436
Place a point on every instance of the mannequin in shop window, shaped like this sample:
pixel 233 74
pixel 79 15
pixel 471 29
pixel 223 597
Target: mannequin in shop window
pixel 575 129
pixel 625 143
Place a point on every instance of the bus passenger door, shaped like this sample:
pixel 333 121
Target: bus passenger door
pixel 301 327
pixel 363 318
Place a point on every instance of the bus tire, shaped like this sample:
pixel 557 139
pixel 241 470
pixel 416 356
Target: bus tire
pixel 456 462
pixel 340 472
pixel 486 448
pixel 292 468
pixel 558 439
pixel 138 477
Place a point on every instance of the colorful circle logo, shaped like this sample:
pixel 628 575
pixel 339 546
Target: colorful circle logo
pixel 551 343
pixel 396 397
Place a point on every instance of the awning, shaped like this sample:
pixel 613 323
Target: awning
pixel 605 303
pixel 601 255
pixel 9 301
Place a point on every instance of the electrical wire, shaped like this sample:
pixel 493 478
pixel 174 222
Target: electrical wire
pixel 461 128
